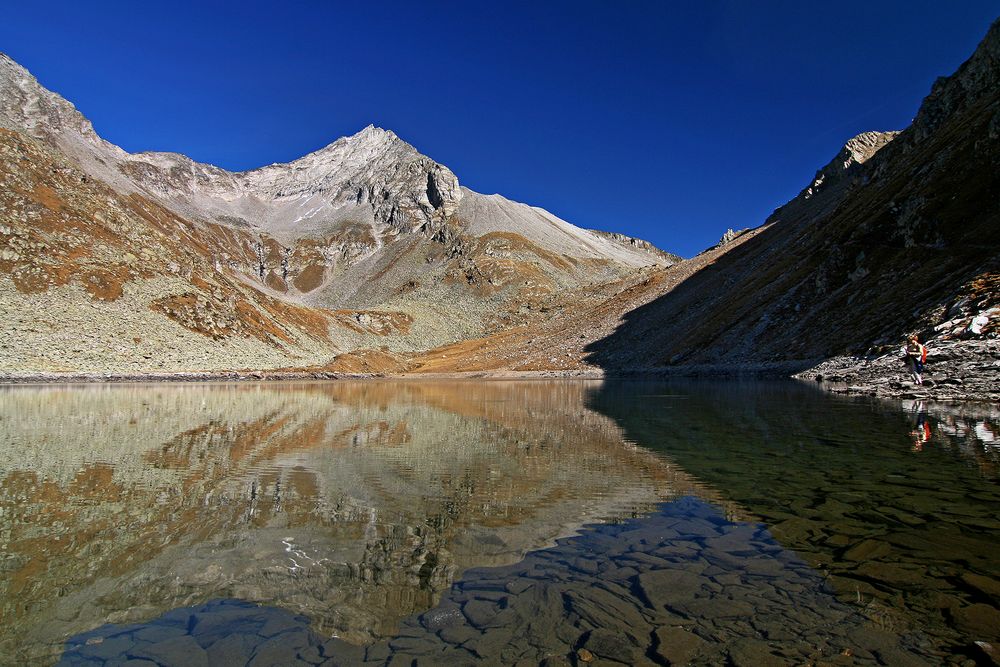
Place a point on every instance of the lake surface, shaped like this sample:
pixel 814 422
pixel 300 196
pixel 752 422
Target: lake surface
pixel 495 522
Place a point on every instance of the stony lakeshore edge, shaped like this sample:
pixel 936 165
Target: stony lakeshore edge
pixel 956 371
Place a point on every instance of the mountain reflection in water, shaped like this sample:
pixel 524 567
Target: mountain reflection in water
pixel 354 503
pixel 680 584
pixel 797 526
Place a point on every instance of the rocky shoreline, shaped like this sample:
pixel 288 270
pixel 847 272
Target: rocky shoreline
pixel 956 370
pixel 193 376
pixel 281 376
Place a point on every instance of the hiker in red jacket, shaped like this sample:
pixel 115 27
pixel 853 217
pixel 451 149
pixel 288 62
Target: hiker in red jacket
pixel 915 355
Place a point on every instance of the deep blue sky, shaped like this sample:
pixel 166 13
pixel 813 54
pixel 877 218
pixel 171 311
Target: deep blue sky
pixel 670 121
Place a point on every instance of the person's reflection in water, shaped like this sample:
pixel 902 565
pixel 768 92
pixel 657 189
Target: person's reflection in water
pixel 986 433
pixel 921 432
pixel 252 505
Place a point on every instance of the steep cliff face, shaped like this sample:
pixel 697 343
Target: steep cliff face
pixel 363 232
pixel 898 230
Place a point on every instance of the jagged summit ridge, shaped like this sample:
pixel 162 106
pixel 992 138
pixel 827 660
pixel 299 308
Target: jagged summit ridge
pixel 976 80
pixel 371 169
pixel 859 149
pixel 368 167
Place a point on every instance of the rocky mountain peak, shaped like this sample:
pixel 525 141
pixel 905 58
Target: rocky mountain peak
pixel 373 135
pixel 861 148
pixel 323 221
pixel 374 167
pixel 11 71
pixel 857 150
pixel 357 147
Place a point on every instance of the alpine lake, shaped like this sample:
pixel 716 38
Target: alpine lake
pixel 529 522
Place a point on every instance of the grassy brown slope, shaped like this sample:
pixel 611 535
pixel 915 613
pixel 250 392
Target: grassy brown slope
pixel 131 272
pixel 557 339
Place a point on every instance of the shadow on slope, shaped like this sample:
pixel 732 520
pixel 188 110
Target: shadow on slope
pixel 897 507
pixel 886 249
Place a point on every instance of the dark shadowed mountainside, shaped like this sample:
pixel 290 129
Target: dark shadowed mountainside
pixel 899 232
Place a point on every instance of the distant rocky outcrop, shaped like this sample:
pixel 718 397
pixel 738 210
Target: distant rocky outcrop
pixel 638 243
pixel 856 151
pixel 729 236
